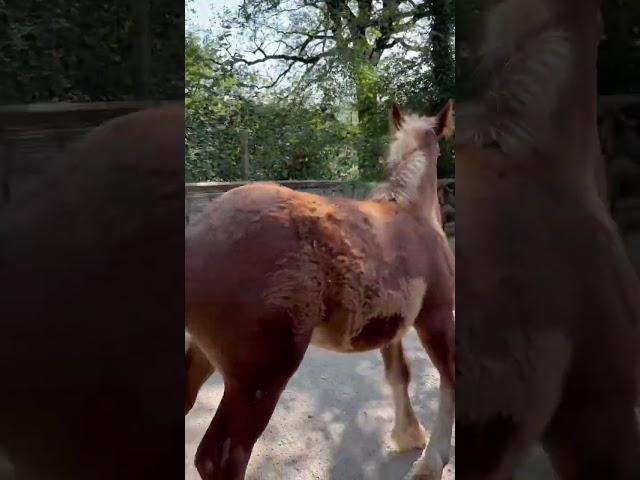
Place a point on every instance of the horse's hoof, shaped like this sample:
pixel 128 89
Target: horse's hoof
pixel 411 438
pixel 428 467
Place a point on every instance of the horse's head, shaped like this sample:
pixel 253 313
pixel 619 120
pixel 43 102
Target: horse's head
pixel 411 158
pixel 413 135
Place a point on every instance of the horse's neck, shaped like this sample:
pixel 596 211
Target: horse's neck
pixel 574 151
pixel 552 114
pixel 429 200
pixel 564 144
pixel 422 198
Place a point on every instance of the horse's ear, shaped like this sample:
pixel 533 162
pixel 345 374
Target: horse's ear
pixel 445 121
pixel 395 118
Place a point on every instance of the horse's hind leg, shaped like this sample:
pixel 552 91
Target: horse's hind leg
pixel 197 370
pixel 595 438
pixel 436 331
pixel 255 374
pixel 407 432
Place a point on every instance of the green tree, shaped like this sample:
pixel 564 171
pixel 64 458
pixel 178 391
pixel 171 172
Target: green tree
pixel 312 83
pixel 212 107
pixel 84 51
pixel 287 140
pixel 331 42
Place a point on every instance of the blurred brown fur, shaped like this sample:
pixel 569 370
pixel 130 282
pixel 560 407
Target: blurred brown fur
pixel 91 269
pixel 548 312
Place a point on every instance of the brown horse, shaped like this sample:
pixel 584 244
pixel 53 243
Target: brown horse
pixel 540 261
pixel 270 270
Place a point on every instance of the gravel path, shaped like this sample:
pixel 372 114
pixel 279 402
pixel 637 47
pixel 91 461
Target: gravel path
pixel 333 420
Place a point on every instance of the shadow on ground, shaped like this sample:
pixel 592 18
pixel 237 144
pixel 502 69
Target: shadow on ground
pixel 332 421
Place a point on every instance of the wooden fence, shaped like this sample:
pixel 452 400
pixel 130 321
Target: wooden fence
pixel 32 135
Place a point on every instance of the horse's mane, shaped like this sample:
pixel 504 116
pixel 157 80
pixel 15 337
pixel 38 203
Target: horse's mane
pixel 528 57
pixel 405 173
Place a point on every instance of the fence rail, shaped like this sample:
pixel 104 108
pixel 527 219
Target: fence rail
pixel 32 135
pixel 218 188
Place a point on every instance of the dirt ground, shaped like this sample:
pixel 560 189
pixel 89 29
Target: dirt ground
pixel 333 421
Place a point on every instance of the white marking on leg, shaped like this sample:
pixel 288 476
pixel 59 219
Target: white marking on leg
pixel 441 436
pixel 430 465
pixel 400 401
pixel 407 433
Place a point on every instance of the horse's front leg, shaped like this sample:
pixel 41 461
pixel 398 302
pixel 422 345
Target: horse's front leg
pixel 435 327
pixel 407 433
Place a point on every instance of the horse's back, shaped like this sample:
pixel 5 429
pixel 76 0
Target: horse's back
pixel 249 232
pixel 235 243
pixel 277 222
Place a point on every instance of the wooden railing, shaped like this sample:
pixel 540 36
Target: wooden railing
pixel 32 134
pixel 213 189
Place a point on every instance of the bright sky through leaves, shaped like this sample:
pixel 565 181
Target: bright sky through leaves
pixel 205 10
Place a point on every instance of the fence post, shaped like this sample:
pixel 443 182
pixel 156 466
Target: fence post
pixel 244 153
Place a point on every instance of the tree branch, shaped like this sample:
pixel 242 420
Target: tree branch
pixel 292 58
pixel 279 77
pixel 338 11
pixel 407 45
pixel 339 27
